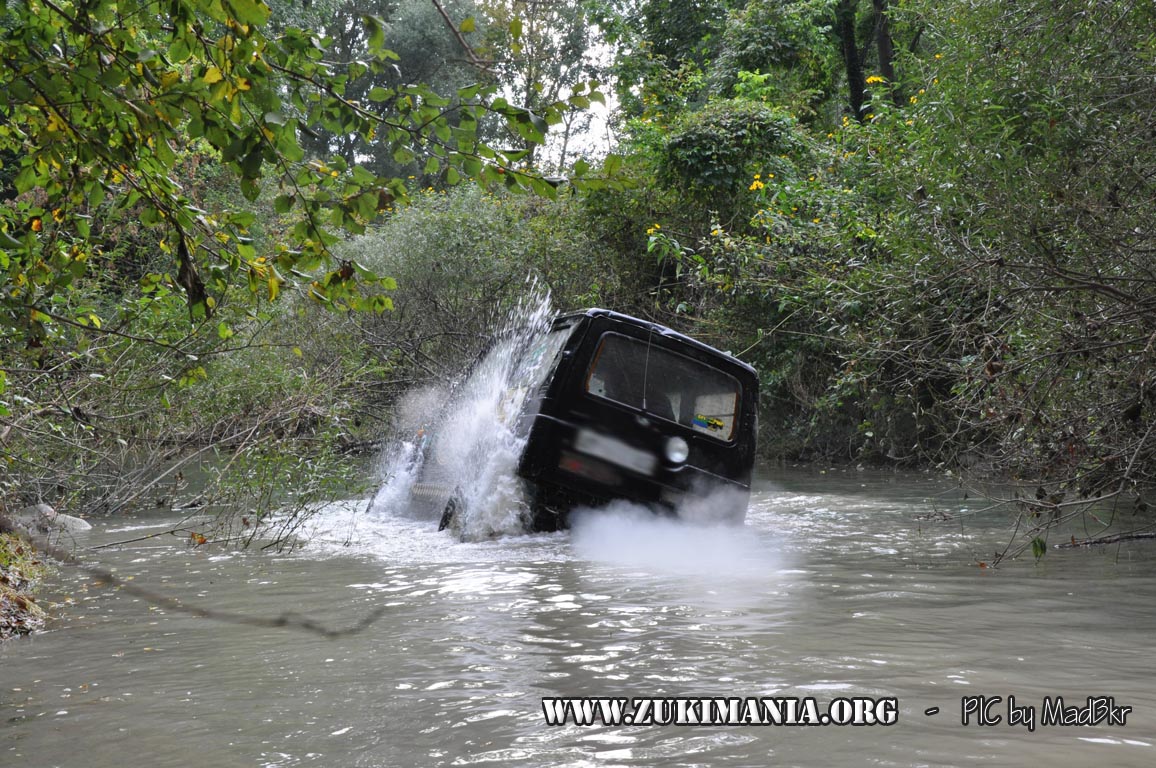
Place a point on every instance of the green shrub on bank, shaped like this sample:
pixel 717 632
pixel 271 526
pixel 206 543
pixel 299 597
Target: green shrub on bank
pixel 461 259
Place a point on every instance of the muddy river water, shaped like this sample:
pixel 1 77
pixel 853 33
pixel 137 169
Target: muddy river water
pixel 841 584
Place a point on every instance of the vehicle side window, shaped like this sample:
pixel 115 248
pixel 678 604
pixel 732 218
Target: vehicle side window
pixel 539 361
pixel 665 384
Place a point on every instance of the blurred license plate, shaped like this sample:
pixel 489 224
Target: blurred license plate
pixel 614 451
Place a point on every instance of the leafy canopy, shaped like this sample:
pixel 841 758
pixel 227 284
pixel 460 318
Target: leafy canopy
pixel 105 97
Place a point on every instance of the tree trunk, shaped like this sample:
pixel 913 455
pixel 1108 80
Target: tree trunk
pixel 886 49
pixel 856 83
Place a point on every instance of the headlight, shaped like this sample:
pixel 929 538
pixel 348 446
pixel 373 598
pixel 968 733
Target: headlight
pixel 677 450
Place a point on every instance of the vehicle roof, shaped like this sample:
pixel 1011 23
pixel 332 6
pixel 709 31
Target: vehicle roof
pixel 662 330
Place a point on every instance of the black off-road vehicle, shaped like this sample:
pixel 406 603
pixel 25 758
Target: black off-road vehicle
pixel 614 407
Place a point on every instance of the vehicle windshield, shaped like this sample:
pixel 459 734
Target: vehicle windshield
pixel 665 384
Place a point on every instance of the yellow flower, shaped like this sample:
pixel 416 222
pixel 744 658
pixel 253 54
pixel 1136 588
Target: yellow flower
pixel 875 79
pixel 756 185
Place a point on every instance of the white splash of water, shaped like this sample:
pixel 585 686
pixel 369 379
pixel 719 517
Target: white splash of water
pixel 472 450
pixel 401 463
pixel 399 469
pixel 692 542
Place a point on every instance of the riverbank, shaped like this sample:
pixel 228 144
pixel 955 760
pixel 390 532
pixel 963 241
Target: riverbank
pixel 20 573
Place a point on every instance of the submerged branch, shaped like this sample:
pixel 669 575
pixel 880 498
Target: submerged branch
pixel 287 619
pixel 1114 539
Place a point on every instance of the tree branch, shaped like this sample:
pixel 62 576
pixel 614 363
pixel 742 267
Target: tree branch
pixel 471 55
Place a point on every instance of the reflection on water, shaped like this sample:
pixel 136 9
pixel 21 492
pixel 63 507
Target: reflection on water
pixel 833 588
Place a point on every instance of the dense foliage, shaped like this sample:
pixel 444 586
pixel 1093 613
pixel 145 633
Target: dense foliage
pixel 928 225
pixel 169 171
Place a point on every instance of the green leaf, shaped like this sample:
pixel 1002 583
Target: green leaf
pixel 362 176
pixel 515 28
pixel 367 205
pixel 543 188
pixel 468 25
pixel 252 12
pixel 375 30
pixel 612 165
pixel 251 165
pixel 1039 547
pixel 179 51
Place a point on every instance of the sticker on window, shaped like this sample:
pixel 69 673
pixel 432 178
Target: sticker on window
pixel 707 422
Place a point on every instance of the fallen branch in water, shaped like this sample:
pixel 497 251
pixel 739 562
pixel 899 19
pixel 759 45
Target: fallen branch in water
pixel 146 537
pixel 1116 539
pixel 288 619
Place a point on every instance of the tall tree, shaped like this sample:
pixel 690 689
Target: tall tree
pixel 788 44
pixel 427 52
pixel 862 29
pixel 660 47
pixel 543 51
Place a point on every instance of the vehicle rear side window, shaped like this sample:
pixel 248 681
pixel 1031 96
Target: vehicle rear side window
pixel 665 384
pixel 538 362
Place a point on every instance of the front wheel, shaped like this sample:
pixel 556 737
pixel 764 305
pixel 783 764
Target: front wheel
pixel 454 506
